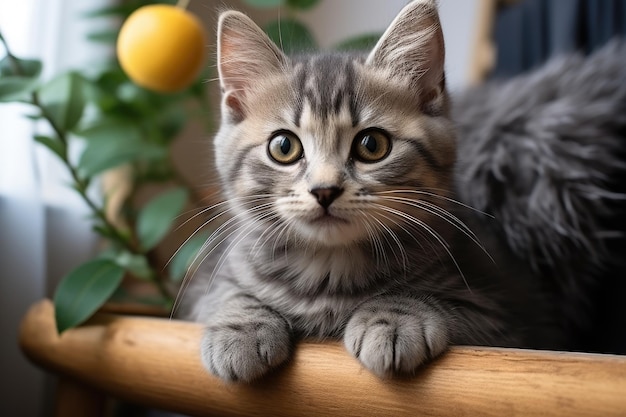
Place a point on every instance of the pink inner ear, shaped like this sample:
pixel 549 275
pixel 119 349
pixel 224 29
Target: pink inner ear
pixel 413 46
pixel 228 63
pixel 435 60
pixel 233 81
pixel 245 55
pixel 235 105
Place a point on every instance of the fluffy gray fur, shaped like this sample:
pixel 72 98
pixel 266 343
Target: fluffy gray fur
pixel 361 236
pixel 546 154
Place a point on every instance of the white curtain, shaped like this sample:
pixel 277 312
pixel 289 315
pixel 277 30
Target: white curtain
pixel 44 229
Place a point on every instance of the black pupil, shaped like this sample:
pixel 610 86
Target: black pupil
pixel 370 143
pixel 285 145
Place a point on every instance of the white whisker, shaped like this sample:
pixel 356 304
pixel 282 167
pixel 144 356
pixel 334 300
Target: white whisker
pixel 374 240
pixel 444 215
pixel 427 193
pixel 396 240
pixel 217 237
pixel 445 245
pixel 253 200
pixel 245 232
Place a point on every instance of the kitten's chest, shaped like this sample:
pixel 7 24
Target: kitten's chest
pixel 309 273
pixel 316 290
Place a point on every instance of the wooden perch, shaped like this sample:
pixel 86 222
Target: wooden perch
pixel 155 362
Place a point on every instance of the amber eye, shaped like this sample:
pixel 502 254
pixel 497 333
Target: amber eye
pixel 285 148
pixel 371 145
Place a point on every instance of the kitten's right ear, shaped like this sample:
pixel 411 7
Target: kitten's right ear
pixel 413 47
pixel 244 54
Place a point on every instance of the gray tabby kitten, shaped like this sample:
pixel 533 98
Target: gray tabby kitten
pixel 338 173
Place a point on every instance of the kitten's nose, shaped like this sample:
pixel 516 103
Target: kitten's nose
pixel 326 195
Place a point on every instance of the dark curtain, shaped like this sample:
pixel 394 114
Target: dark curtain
pixel 529 32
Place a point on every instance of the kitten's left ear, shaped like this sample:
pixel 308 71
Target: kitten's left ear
pixel 245 54
pixel 413 47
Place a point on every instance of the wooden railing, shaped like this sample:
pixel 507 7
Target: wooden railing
pixel 155 362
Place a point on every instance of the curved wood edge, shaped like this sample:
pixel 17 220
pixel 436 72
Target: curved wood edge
pixel 156 362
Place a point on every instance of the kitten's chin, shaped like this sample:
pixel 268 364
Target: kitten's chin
pixel 329 231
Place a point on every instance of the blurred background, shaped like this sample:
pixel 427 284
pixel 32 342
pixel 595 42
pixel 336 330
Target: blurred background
pixel 45 228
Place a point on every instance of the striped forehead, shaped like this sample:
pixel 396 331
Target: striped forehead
pixel 327 85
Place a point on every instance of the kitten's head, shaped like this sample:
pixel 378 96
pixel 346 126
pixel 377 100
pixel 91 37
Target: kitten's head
pixel 331 148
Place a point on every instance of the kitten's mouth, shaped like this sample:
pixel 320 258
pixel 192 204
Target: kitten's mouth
pixel 329 230
pixel 328 219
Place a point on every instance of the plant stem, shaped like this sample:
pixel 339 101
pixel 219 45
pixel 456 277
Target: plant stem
pixel 80 183
pixel 15 64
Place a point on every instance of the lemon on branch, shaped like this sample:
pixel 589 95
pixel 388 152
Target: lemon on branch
pixel 162 47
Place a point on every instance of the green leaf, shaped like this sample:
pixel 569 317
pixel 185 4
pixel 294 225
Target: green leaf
pixel 112 144
pixel 111 129
pixel 17 67
pixel 104 232
pixel 291 35
pixel 302 4
pixel 359 43
pixel 54 144
pixel 105 36
pixel 171 121
pixel 157 217
pixel 63 99
pixel 185 257
pixel 265 4
pixel 137 265
pixel 84 290
pixel 16 88
pixel 18 78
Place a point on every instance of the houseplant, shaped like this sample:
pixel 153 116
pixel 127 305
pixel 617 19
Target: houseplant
pixel 116 124
pixel 121 126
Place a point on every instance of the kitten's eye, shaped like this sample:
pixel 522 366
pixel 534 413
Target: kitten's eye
pixel 285 148
pixel 371 145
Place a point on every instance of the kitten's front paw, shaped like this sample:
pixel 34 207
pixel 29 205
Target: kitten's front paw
pixel 395 339
pixel 239 349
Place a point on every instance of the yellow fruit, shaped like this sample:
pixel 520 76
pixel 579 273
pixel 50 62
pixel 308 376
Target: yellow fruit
pixel 161 47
